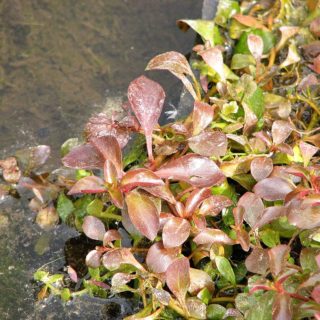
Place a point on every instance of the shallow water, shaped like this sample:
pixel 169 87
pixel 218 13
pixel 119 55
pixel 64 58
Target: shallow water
pixel 60 62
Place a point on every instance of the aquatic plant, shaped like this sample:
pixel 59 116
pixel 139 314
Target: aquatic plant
pixel 215 216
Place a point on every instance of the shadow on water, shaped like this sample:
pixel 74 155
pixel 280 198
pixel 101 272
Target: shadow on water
pixel 60 62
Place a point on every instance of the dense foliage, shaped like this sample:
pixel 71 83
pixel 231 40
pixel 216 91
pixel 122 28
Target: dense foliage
pixel 216 216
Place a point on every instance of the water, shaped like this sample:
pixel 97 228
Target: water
pixel 60 62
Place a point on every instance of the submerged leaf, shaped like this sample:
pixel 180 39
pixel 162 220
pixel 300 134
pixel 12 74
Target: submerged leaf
pixel 199 279
pixel 146 99
pixel 194 169
pixel 286 33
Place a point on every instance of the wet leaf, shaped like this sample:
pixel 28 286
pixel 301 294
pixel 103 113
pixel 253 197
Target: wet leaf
pixel 143 214
pixel 214 59
pixel 240 61
pixel 273 189
pixel 64 207
pixel 178 278
pixel 146 99
pixel 195 199
pixel 93 259
pixel 253 207
pixel 72 274
pixel 162 296
pixel 93 228
pixel 210 143
pixel 139 178
pixel 281 309
pixel 214 205
pixel 307 152
pixel 215 312
pixel 210 236
pixel 110 236
pixel 270 237
pixel 225 269
pixel 175 232
pixel 196 308
pixel 194 169
pixel 202 116
pixel 199 279
pixel 162 192
pixel 255 45
pixel 278 258
pixel 261 168
pixel 269 214
pixel 159 258
pixel 258 261
pixel 90 184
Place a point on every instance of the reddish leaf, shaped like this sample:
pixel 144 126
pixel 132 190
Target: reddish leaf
pixel 120 279
pixel 269 214
pixel 139 178
pixel 93 228
pixel 243 239
pixel 278 258
pixel 214 59
pixel 146 98
pixel 249 21
pixel 72 274
pixel 199 279
pixel 253 207
pixel 307 151
pixel 210 143
pixel 116 196
pixel 162 192
pixel 90 184
pixel 202 116
pixel 143 214
pixel 258 261
pixel 110 172
pixel 210 236
pixel 261 168
pixel 281 309
pixel 175 232
pixel 93 259
pixel 177 64
pixel 178 278
pixel 308 81
pixel 84 157
pixel 128 225
pixel 315 294
pixel 109 147
pixel 195 199
pixel 213 205
pixel 194 169
pixel 315 27
pixel 111 235
pixel 280 131
pixel 250 119
pixel 196 308
pixel 113 259
pixel 255 45
pixel 272 189
pixel 159 258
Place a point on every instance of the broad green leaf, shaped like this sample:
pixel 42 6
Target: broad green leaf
pixel 256 102
pixel 240 61
pixel 308 259
pixel 95 207
pixel 262 308
pixel 68 145
pixel 64 207
pixel 225 269
pixel 226 9
pixel 65 294
pixel 270 237
pixel 41 275
pixel 215 312
pixel 81 205
pixel 137 151
pixel 54 278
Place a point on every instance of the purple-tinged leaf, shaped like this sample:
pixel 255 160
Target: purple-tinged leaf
pixel 269 214
pixel 253 207
pixel 93 228
pixel 214 59
pixel 261 168
pixel 255 45
pixel 281 130
pixel 199 279
pixel 146 98
pixel 202 116
pixel 315 294
pixel 162 192
pixel 161 295
pixel 103 125
pixel 140 177
pixel 89 184
pixel 238 214
pixel 159 258
pixel 307 152
pixel 278 257
pixel 110 172
pixel 210 143
pixel 285 148
pixel 281 309
pixel 72 274
pixel 250 119
pixel 199 222
pixel 243 239
pixel 111 235
pixel 85 156
pixel 113 259
pixel 194 200
pixel 93 259
pixel 194 169
pixel 196 308
pixel 178 278
pixel 308 81
pixel 127 223
pixel 258 261
pixel 210 236
pixel 175 232
pixel 213 206
pixel 313 280
pixel 177 64
pixel 303 214
pixel 143 214
pixel 164 217
pixel 109 147
pixel 272 189
pixel 120 279
pixel 315 27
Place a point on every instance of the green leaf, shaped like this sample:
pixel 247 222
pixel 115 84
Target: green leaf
pixel 270 237
pixel 215 312
pixel 262 308
pixel 81 206
pixel 65 294
pixel 41 275
pixel 64 207
pixel 268 38
pixel 204 295
pixel 245 180
pixel 68 145
pixel 256 102
pixel 225 269
pixel 240 61
pixel 308 259
pixel 95 207
pixel 137 151
pixel 226 9
pixel 54 278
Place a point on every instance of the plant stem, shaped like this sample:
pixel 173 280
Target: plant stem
pixel 172 304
